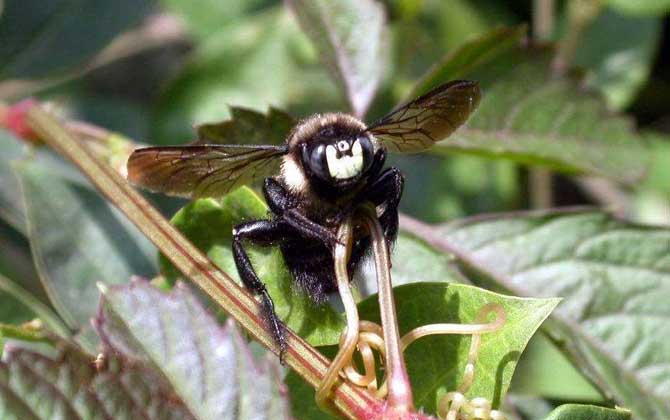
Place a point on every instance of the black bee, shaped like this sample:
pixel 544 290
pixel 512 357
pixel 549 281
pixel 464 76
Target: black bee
pixel 330 165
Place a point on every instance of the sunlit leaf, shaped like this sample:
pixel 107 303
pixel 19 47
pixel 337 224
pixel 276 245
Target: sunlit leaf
pixel 435 364
pixel 351 36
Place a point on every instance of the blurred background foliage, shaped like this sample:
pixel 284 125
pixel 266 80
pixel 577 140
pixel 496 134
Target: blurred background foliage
pixel 152 69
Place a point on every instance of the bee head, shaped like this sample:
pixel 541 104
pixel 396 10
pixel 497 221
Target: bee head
pixel 338 161
pixel 329 154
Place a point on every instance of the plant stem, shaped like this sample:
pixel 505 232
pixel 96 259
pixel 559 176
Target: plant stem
pixel 354 403
pixel 580 14
pixel 399 388
pixel 543 19
pixel 540 179
pixel 350 339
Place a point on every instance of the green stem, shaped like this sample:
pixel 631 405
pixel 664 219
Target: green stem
pixel 353 402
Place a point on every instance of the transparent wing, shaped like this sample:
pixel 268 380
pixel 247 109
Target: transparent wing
pixel 420 123
pixel 201 170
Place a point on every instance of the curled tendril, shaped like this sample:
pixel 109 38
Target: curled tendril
pixel 453 405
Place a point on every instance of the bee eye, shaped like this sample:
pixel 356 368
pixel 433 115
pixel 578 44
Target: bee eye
pixel 314 158
pixel 367 150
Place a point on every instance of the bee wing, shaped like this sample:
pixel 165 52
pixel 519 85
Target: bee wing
pixel 418 124
pixel 201 170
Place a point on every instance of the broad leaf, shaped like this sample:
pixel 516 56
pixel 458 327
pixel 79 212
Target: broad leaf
pixel 588 412
pixel 620 51
pixel 65 383
pixel 52 36
pixel 435 364
pixel 351 36
pixel 247 126
pixel 208 223
pixel 614 276
pixel 78 239
pixel 529 115
pixel 641 7
pixel 209 368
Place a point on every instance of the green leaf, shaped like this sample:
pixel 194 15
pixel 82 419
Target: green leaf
pixel 352 39
pixel 19 305
pixel 414 261
pixel 208 223
pixel 247 126
pixel 588 412
pixel 436 364
pixel 11 210
pixel 205 17
pixel 252 63
pixel 544 371
pixel 531 116
pixel 614 276
pixel 470 55
pixel 53 36
pixel 78 239
pixel 65 384
pixel 640 7
pixel 620 51
pixel 23 333
pixel 211 369
pixel 659 168
pixel 459 185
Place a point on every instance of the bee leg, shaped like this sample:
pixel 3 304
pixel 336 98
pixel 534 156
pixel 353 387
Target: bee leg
pixel 260 232
pixel 276 196
pixel 387 189
pixel 279 202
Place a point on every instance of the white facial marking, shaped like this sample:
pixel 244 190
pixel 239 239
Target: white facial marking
pixel 344 167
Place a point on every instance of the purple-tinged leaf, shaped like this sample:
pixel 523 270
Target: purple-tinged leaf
pixel 68 385
pixel 210 368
